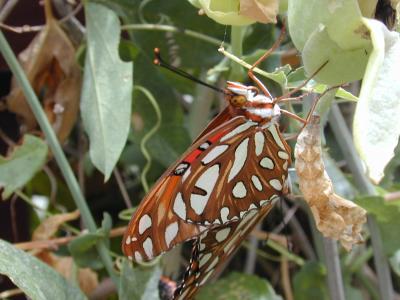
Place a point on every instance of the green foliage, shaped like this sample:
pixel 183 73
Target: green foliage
pixel 237 286
pixel 83 248
pixel 38 280
pixel 333 33
pixel 21 165
pixel 376 127
pixel 139 283
pixel 388 217
pixel 310 282
pixel 105 109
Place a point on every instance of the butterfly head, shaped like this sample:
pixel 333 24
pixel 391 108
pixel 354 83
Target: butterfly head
pixel 251 103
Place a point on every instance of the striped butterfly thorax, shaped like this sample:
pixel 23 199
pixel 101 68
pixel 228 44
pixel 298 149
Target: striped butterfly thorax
pixel 234 169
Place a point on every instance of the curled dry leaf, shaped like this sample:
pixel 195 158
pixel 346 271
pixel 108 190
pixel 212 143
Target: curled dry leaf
pixel 88 280
pixel 264 11
pixel 49 226
pixel 50 65
pixel 335 216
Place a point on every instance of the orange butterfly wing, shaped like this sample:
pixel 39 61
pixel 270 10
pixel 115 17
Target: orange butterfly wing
pixel 156 226
pixel 214 247
pixel 238 174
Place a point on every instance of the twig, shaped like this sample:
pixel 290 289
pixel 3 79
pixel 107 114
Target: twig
pixel 251 257
pixel 244 64
pixel 55 243
pixel 9 293
pixel 7 8
pixel 392 196
pixel 334 276
pixel 35 28
pixel 170 28
pixel 122 188
pixel 285 278
pixel 13 214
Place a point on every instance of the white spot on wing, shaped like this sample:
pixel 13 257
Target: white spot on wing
pixel 170 233
pixel 252 206
pixel 214 153
pixel 212 264
pixel 238 130
pixel 267 163
pixel 222 234
pixel 138 257
pixel 204 259
pixel 256 182
pixel 224 214
pixel 283 155
pixel 205 182
pixel 239 190
pixel 276 136
pixel 240 159
pixel 259 142
pixel 187 173
pixel 128 240
pixel 205 278
pixel 148 247
pixel 179 206
pixel 144 223
pixel 276 184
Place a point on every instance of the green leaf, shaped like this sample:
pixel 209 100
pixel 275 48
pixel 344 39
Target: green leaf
pixel 376 126
pixel 395 262
pixel 139 283
pixel 36 279
pixel 330 32
pixel 310 282
pixel 239 286
pixel 388 217
pixel 107 89
pixel 22 164
pixel 83 250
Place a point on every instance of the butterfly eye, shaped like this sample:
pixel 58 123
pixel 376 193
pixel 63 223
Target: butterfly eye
pixel 238 101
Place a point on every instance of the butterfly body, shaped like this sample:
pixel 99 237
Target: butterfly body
pixel 237 165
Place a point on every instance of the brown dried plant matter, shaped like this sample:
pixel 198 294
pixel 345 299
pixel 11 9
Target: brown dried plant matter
pixel 335 217
pixel 50 65
pixel 264 11
pixel 87 279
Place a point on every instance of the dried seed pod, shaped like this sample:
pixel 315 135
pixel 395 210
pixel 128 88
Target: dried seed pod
pixel 335 216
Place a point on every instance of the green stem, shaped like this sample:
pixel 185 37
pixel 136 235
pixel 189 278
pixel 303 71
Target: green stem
pixel 55 147
pixel 174 29
pixel 237 50
pixel 283 251
pixel 148 135
pixel 345 142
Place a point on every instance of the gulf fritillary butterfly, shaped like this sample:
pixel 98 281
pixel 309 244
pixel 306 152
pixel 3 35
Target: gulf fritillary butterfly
pixel 223 185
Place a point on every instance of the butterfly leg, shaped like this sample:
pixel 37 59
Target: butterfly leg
pixel 280 98
pixel 261 59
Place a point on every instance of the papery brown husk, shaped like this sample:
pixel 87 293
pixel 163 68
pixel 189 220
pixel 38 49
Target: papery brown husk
pixel 335 217
pixel 50 65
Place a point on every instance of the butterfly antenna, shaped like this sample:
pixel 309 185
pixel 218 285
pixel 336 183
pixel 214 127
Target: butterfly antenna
pixel 162 63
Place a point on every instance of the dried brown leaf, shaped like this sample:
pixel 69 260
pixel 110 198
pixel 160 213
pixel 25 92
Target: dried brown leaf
pixel 49 226
pixel 50 65
pixel 88 279
pixel 335 217
pixel 264 11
